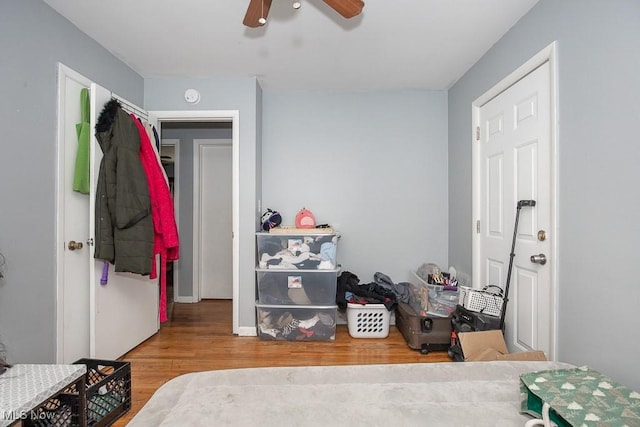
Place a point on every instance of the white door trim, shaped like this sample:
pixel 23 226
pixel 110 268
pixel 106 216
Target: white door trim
pixel 232 116
pixel 548 54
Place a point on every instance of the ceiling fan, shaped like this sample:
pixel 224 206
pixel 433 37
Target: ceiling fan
pixel 258 10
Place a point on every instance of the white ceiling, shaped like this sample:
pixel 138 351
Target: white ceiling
pixel 393 44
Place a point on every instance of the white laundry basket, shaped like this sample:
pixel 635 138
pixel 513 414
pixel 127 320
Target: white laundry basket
pixel 368 320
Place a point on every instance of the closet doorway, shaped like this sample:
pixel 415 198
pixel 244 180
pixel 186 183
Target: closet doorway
pixel 99 313
pixel 205 157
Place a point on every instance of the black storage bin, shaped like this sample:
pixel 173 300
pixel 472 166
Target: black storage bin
pixel 108 390
pixel 61 410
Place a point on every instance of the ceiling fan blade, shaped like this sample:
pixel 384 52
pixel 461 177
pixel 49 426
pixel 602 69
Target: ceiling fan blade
pixel 257 9
pixel 346 8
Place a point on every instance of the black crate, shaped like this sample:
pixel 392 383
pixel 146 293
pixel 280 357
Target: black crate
pixel 106 398
pixel 108 390
pixel 61 410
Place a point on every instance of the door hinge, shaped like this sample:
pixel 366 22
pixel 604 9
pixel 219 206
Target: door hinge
pixel 477 133
pixel 478 227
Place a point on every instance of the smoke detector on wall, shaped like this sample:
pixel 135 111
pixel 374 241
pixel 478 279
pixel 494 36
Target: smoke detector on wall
pixel 192 96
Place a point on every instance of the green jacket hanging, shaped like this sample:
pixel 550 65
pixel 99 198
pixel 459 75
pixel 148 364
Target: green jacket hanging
pixel 83 131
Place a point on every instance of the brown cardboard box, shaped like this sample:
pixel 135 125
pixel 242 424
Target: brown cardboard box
pixel 490 345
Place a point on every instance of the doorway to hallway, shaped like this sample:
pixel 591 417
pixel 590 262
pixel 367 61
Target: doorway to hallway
pixel 197 157
pixel 216 125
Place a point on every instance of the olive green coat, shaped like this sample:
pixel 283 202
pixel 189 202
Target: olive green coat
pixel 124 227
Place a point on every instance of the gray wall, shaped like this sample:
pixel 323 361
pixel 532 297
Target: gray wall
pixel 242 94
pixel 373 165
pixel 599 153
pixel 33 38
pixel 186 135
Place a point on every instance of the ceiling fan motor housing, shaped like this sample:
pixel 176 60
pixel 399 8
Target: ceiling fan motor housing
pixel 258 10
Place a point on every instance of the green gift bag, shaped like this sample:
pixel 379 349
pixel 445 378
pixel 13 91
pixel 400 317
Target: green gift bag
pixel 83 130
pixel 579 397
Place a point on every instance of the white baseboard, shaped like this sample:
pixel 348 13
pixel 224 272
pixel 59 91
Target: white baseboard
pixel 247 331
pixel 185 300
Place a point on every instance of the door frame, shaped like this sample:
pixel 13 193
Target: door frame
pixel 175 143
pixel 232 116
pixel 548 54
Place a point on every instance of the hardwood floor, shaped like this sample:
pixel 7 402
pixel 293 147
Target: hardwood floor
pixel 198 337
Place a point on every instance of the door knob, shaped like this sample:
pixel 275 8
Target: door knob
pixel 539 259
pixel 73 245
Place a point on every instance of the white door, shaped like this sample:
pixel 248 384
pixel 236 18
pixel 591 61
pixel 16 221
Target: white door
pixel 213 250
pixel 124 312
pixel 515 164
pixel 73 226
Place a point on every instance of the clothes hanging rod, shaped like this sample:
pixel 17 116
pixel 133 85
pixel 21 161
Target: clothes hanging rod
pixel 131 108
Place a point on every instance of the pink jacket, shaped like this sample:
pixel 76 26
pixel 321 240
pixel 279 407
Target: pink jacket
pixel 166 242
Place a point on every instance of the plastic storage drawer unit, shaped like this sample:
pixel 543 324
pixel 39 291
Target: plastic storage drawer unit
pixel 297 287
pixel 296 323
pixel 310 250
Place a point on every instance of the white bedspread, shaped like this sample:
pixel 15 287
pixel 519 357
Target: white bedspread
pixel 417 394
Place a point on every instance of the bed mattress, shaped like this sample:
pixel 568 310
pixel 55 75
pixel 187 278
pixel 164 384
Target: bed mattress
pixel 416 394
